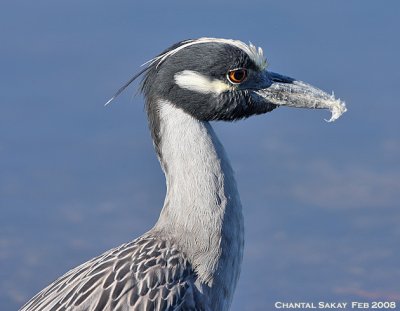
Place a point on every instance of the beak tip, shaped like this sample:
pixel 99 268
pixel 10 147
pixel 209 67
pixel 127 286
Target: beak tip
pixel 337 108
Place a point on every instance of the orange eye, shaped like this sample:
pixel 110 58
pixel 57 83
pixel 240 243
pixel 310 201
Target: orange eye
pixel 237 75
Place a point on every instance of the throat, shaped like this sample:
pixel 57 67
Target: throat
pixel 202 211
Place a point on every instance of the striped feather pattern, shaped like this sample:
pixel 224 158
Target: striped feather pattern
pixel 145 274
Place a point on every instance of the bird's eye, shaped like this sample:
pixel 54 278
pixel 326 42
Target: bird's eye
pixel 237 75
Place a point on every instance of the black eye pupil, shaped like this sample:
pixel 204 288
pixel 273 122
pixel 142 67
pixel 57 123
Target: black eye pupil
pixel 239 75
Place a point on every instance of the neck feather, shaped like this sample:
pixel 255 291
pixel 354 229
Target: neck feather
pixel 202 210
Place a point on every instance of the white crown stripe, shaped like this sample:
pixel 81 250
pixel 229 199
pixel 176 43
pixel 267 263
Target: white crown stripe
pixel 255 54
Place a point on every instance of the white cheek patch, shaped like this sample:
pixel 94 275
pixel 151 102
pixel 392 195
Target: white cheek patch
pixel 194 81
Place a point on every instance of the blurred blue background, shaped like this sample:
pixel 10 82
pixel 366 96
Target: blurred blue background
pixel 321 201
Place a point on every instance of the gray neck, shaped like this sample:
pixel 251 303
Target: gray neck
pixel 202 212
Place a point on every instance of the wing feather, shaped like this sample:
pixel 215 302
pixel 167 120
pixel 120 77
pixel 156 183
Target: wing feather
pixel 145 274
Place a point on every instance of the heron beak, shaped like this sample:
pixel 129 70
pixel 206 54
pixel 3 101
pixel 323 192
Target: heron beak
pixel 285 91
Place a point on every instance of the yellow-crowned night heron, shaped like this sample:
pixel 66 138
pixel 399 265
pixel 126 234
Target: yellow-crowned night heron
pixel 191 258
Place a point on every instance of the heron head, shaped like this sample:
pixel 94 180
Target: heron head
pixel 223 79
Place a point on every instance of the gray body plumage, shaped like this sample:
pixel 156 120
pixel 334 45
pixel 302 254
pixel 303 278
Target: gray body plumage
pixel 191 258
pixel 148 273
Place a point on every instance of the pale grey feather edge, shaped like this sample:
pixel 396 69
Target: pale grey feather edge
pixel 146 274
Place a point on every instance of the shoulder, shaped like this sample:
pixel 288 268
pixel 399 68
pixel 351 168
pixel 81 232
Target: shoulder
pixel 148 273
